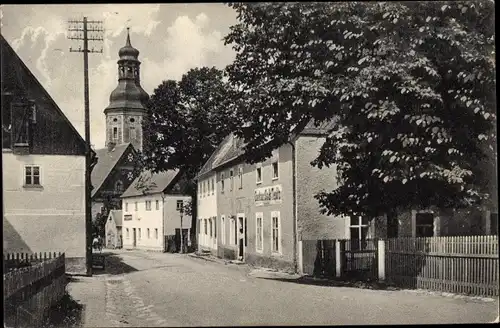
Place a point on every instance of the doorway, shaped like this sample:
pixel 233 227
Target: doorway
pixel 242 225
pixel 134 238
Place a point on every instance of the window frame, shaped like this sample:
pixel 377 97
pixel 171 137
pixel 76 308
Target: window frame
pixel 157 204
pixel 276 215
pixel 156 233
pixel 127 233
pixel 181 202
pixel 431 226
pixel 32 176
pixel 126 207
pixel 231 182
pixel 240 176
pixel 222 182
pixel 258 174
pixel 148 233
pixel 362 243
pixel 223 229
pixel 147 205
pixel 259 244
pixel 115 133
pixel 206 226
pixel 136 206
pixel 277 176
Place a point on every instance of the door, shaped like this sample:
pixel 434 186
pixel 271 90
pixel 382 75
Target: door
pixel 134 238
pixel 241 237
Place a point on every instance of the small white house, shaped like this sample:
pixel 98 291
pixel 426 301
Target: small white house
pixel 113 229
pixel 151 211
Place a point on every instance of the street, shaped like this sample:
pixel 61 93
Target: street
pixel 156 289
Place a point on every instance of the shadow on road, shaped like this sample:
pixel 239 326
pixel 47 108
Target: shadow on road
pixel 65 314
pixel 375 285
pixel 113 265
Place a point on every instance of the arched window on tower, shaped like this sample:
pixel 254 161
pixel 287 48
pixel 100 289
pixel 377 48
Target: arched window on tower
pixel 122 71
pixel 119 186
pixel 132 133
pixel 115 133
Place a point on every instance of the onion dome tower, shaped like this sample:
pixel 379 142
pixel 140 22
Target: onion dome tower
pixel 126 107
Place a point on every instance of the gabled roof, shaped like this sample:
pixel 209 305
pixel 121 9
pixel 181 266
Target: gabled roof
pixel 17 77
pixel 117 216
pixel 106 162
pixel 232 146
pixel 148 183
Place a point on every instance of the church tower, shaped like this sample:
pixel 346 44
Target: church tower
pixel 126 103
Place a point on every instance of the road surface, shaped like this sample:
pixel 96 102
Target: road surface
pixel 158 290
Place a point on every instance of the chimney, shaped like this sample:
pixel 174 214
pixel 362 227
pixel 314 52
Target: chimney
pixel 111 146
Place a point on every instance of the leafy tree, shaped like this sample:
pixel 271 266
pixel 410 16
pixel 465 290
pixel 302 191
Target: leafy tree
pixel 409 83
pixel 185 122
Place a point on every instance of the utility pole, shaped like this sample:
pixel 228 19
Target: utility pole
pixel 79 30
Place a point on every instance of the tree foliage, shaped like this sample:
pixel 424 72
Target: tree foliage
pixel 411 84
pixel 186 121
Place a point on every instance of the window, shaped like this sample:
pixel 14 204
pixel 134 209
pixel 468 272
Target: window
pixel 210 224
pixel 231 173
pixel 232 233
pixel 493 223
pixel 215 227
pixel 156 233
pixel 203 187
pixel 240 176
pixel 223 230
pixel 222 183
pixel 259 240
pixel 180 205
pixel 115 133
pixel 32 175
pixel 148 205
pixel 136 207
pixel 259 174
pixel 424 224
pixel 119 186
pixel 6 120
pixel 275 170
pixel 126 207
pixel 358 230
pixel 132 133
pixel 213 185
pixel 157 204
pixel 127 233
pixel 139 233
pixel 206 227
pixel 148 233
pixel 275 233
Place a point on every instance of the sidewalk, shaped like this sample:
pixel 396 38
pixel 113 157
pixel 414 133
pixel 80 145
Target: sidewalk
pixel 91 293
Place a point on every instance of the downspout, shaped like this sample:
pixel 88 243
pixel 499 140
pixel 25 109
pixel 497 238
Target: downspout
pixel 163 221
pixel 294 191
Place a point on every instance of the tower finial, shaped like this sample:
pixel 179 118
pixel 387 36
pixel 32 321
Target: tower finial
pixel 128 37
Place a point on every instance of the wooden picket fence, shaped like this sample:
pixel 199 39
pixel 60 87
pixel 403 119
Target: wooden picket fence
pixel 462 264
pixel 33 283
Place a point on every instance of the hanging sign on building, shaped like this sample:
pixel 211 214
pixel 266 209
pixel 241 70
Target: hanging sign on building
pixel 268 195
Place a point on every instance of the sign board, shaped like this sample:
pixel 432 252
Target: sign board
pixel 268 195
pixel 127 217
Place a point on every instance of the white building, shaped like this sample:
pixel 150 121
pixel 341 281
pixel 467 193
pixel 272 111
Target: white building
pixel 43 169
pixel 151 211
pixel 207 213
pixel 113 229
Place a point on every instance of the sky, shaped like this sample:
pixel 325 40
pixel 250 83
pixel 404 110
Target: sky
pixel 171 38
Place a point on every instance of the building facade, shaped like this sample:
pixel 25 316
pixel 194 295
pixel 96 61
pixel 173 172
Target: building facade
pixel 264 210
pixel 43 169
pixel 113 230
pixel 151 211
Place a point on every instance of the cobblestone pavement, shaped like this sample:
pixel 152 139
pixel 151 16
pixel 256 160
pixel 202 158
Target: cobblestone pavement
pixel 159 290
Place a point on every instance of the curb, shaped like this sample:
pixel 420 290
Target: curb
pixel 202 257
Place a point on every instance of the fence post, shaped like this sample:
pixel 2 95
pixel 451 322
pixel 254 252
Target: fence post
pixel 381 260
pixel 338 259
